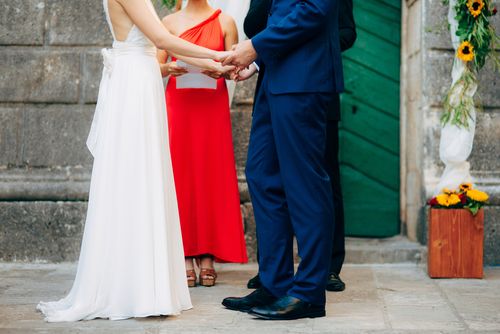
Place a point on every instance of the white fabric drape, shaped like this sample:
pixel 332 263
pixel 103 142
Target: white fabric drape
pixel 456 142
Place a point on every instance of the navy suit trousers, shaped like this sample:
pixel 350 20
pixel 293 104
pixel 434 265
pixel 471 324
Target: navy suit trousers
pixel 291 191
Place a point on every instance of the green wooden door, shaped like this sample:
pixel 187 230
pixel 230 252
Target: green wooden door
pixel 369 132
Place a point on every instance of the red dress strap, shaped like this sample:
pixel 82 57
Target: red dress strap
pixel 202 23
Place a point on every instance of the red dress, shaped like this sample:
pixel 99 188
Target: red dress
pixel 203 160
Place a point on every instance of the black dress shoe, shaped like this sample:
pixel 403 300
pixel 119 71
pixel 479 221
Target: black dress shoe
pixel 334 283
pixel 254 282
pixel 257 298
pixel 288 308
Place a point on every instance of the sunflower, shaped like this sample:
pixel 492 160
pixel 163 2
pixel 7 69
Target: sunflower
pixel 448 199
pixel 477 195
pixel 465 51
pixel 465 186
pixel 454 199
pixel 475 7
pixel 447 191
pixel 442 199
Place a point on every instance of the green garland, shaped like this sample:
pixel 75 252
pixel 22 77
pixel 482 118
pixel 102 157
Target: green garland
pixel 478 42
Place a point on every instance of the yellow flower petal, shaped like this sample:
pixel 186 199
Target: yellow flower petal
pixel 477 195
pixel 442 199
pixel 475 7
pixel 465 51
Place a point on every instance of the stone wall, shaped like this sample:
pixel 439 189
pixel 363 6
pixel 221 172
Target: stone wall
pixel 50 67
pixel 427 59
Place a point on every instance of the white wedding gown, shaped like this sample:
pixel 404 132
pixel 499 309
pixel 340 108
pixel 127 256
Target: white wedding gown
pixel 132 260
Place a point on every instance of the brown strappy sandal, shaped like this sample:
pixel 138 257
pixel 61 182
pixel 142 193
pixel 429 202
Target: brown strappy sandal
pixel 191 278
pixel 208 277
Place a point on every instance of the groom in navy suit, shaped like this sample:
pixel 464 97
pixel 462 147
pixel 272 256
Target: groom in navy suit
pixel 286 168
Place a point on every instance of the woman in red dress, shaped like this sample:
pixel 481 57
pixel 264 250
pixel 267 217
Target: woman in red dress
pixel 202 149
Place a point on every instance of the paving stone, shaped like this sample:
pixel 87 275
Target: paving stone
pixel 56 135
pixel 81 23
pixel 474 300
pixel 423 318
pixel 352 316
pixel 22 22
pixel 39 76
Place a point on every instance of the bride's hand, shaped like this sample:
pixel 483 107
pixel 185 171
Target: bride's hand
pixel 219 71
pixel 220 56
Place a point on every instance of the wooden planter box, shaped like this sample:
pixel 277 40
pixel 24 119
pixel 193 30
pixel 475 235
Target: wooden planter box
pixel 455 243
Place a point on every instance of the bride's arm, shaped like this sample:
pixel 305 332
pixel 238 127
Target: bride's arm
pixel 206 64
pixel 145 18
pixel 211 67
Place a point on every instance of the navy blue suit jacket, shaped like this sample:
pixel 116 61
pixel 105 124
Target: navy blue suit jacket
pixel 300 47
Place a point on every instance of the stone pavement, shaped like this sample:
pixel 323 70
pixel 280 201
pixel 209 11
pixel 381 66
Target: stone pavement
pixel 378 299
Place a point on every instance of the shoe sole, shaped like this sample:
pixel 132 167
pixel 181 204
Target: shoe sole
pixel 235 309
pixel 318 314
pixel 336 289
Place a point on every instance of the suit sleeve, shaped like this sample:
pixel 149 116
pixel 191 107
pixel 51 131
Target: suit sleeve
pixel 305 20
pixel 256 19
pixel 347 25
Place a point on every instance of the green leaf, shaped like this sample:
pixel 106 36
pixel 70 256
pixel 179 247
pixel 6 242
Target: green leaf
pixel 473 208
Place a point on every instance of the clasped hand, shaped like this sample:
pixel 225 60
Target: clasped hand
pixel 241 57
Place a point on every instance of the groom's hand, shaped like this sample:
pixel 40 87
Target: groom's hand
pixel 244 74
pixel 242 56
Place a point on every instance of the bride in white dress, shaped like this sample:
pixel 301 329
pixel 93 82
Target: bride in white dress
pixel 131 261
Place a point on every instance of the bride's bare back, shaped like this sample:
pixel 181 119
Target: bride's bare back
pixel 124 14
pixel 121 22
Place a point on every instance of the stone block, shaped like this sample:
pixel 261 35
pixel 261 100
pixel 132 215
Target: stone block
pixel 39 76
pixel 437 80
pixel 10 136
pixel 436 32
pixel 492 235
pixel 56 135
pixel 45 184
pixel 22 22
pixel 41 231
pixel 92 73
pixel 79 23
pixel 432 130
pixel 241 119
pixel 52 231
pixel 243 190
pixel 485 154
pixel 250 231
pixel 245 91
